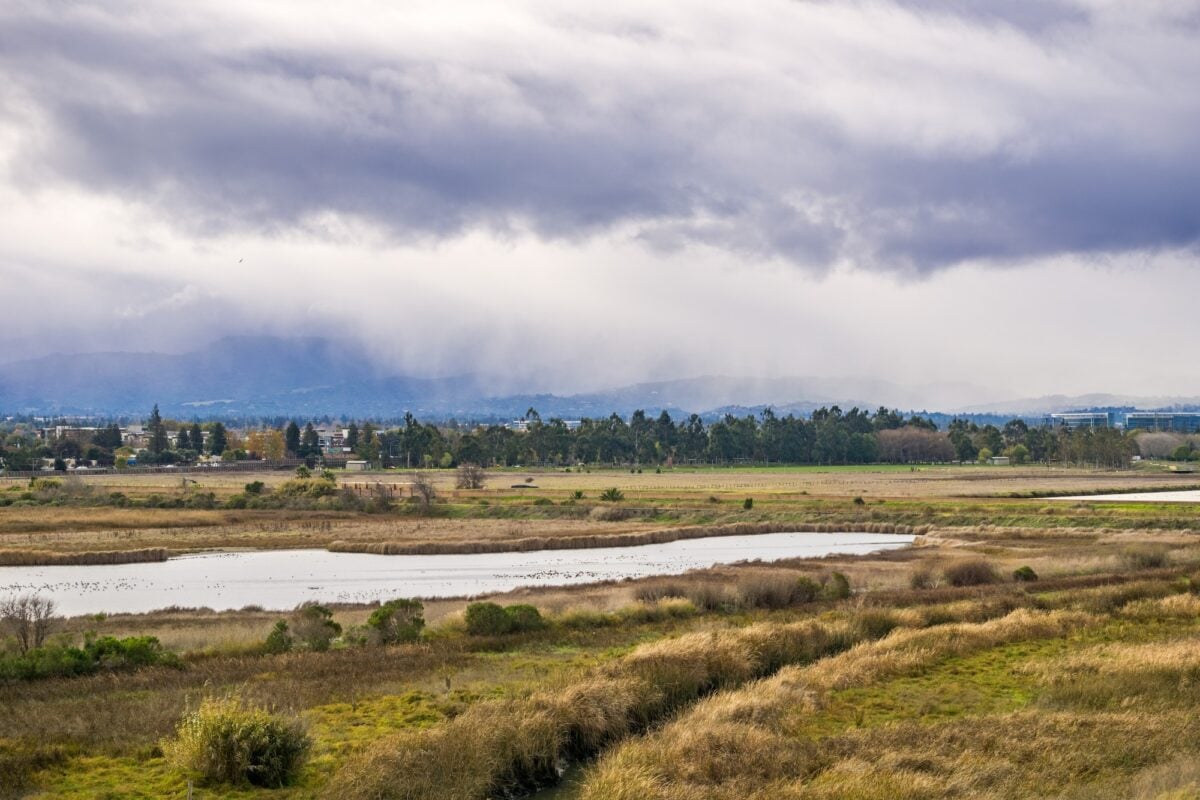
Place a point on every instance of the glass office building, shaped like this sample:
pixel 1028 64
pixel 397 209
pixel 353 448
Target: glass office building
pixel 1173 421
pixel 1082 419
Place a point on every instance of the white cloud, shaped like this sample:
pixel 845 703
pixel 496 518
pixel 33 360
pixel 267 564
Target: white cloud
pixel 573 197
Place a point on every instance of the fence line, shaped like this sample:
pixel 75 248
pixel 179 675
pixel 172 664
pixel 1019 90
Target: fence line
pixel 236 466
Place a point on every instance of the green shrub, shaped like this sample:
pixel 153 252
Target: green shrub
pixel 543 501
pixel 1024 574
pixel 613 495
pixel 201 500
pixel 397 621
pixel 109 652
pixel 97 654
pixel 487 619
pixel 255 487
pixel 51 661
pixel 313 626
pixel 577 495
pixel 748 503
pixel 492 619
pixel 972 572
pixel 279 640
pixel 524 618
pixel 837 587
pixel 226 742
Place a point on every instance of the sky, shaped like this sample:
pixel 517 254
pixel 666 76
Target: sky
pixel 1000 194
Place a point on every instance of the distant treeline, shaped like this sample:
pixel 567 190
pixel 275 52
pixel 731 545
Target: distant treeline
pixel 829 436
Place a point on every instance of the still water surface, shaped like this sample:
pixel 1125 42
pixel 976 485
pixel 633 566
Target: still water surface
pixel 280 579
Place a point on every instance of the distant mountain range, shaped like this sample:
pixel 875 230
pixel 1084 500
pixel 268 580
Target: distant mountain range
pixel 261 376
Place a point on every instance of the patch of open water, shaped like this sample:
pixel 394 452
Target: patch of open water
pixel 281 579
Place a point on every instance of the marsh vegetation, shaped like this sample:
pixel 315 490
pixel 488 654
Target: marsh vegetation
pixel 986 662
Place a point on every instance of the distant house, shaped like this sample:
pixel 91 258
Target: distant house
pixel 999 461
pixel 333 441
pixel 135 436
pixel 76 433
pixel 356 466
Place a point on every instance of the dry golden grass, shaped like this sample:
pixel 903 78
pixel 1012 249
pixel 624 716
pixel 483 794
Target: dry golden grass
pixel 866 481
pixel 26 558
pixel 736 743
pixel 515 745
pixel 608 539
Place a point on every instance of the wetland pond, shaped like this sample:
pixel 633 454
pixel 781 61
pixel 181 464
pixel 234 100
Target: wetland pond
pixel 281 579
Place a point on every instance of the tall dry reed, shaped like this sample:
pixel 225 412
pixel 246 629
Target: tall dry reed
pixel 662 536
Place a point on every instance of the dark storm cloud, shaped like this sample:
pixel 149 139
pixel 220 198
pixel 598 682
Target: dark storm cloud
pixel 997 131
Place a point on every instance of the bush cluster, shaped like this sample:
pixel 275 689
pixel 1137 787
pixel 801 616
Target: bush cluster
pixel 311 627
pixel 1024 574
pixel 756 590
pixel 96 655
pixel 971 572
pixel 224 741
pixel 397 621
pixel 493 619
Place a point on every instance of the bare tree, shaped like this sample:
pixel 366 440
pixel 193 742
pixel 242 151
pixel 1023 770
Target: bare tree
pixel 470 476
pixel 29 618
pixel 423 491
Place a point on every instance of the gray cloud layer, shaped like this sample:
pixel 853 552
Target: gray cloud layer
pixel 879 134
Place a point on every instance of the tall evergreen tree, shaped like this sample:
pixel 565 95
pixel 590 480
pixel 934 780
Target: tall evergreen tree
pixel 352 436
pixel 197 438
pixel 184 440
pixel 158 433
pixel 108 438
pixel 310 443
pixel 368 443
pixel 291 439
pixel 217 439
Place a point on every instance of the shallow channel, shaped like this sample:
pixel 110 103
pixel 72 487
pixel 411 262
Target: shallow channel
pixel 280 579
